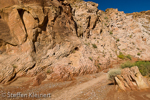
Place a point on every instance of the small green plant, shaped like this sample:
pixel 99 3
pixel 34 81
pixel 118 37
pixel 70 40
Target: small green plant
pixel 130 36
pixel 105 24
pixel 91 58
pixel 110 55
pixel 137 48
pixel 73 51
pixel 121 56
pixel 138 54
pixel 123 49
pixel 98 66
pixel 105 17
pixel 14 66
pixel 85 44
pixel 94 45
pixel 127 64
pixel 104 55
pixel 117 40
pixel 129 57
pixel 113 73
pixel 48 71
pixel 110 32
pixel 133 43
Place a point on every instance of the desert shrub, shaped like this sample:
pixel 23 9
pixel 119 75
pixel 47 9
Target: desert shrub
pixel 105 17
pixel 94 45
pixel 130 36
pixel 14 66
pixel 117 40
pixel 110 32
pixel 49 71
pixel 144 66
pixel 121 56
pixel 138 54
pixel 127 64
pixel 91 58
pixel 113 73
pixel 129 57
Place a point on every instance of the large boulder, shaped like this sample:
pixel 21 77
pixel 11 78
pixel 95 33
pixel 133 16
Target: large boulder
pixel 131 79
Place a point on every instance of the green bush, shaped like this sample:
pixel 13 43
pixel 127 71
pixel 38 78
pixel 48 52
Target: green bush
pixel 91 58
pixel 138 54
pixel 110 32
pixel 117 40
pixel 113 73
pixel 121 56
pixel 94 45
pixel 127 64
pixel 144 66
pixel 130 36
pixel 105 17
pixel 129 57
pixel 49 71
pixel 14 66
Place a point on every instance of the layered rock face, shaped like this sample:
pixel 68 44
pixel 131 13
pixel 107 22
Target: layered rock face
pixel 64 40
pixel 131 79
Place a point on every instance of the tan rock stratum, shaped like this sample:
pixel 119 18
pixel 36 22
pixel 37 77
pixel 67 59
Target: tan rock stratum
pixel 63 39
pixel 131 79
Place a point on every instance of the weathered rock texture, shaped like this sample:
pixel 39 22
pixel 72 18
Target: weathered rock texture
pixel 65 40
pixel 131 79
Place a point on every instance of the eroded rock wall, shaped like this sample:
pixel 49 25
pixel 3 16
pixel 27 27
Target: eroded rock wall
pixel 64 40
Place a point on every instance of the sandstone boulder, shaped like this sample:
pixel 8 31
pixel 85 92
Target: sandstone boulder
pixel 131 79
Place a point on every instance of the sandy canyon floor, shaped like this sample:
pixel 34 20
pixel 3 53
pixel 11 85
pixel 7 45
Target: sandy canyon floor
pixel 86 87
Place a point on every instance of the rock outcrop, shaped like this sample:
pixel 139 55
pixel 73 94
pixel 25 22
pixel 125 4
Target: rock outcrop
pixel 65 40
pixel 131 79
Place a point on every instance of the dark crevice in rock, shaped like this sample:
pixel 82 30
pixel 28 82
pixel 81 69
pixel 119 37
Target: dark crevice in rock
pixel 76 27
pixel 37 19
pixel 133 80
pixel 12 78
pixel 61 10
pixel 96 21
pixel 10 43
pixel 21 12
pixel 30 68
pixel 76 48
pixel 44 25
pixel 89 21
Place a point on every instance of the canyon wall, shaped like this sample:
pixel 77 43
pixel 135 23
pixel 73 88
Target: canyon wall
pixel 63 39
